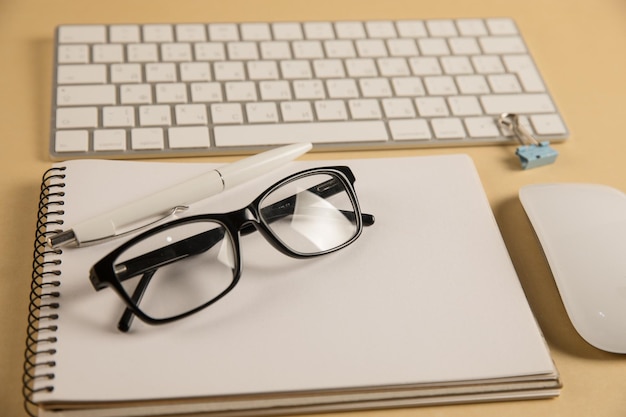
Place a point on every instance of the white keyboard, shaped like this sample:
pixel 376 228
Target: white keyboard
pixel 157 90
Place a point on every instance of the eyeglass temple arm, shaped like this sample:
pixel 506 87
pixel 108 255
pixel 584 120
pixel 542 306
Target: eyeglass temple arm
pixel 127 317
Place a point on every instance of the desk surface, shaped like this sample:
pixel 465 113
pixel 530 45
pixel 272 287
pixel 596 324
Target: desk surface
pixel 579 47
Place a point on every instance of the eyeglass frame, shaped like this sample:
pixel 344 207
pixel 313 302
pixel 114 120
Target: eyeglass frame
pixel 236 223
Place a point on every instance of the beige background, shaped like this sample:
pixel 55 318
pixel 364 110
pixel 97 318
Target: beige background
pixel 580 47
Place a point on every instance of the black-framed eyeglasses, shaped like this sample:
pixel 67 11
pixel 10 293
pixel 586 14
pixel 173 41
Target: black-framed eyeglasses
pixel 309 213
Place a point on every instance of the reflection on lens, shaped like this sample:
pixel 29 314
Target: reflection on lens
pixel 312 214
pixel 163 287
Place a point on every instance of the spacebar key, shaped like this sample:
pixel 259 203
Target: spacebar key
pixel 279 134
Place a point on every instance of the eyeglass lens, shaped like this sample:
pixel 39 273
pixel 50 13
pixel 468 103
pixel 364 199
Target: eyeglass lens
pixel 309 218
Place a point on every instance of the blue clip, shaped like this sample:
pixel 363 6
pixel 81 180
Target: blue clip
pixel 532 153
pixel 532 156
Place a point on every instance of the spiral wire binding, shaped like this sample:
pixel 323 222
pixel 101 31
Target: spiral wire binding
pixel 40 339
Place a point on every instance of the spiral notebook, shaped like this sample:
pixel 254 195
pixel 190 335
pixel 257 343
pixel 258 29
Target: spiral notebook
pixel 424 308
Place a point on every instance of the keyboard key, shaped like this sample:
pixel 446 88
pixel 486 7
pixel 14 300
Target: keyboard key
pixel 275 50
pixel 73 54
pixel 482 127
pixel 71 141
pixel 206 92
pixel 190 33
pixel 380 29
pixel 223 32
pixel 147 139
pixel 307 49
pixel 398 108
pixel 189 137
pixel 158 33
pixel 402 47
pixel 361 67
pixel 226 113
pixel 350 30
pixel 502 45
pixel 339 49
pixel 120 116
pixel 82 74
pixel 296 111
pixel 262 112
pixel 126 73
pixel 433 46
pixel 124 33
pixel 517 103
pixel 504 83
pixel 441 28
pixel 501 26
pixel 142 52
pixel 431 106
pixel 342 88
pixel 86 95
pixel 331 110
pixel 210 51
pixel 191 114
pixel 464 106
pixel 365 109
pixel 548 124
pixel 471 27
pixel 240 51
pixel 392 67
pixel 440 86
pixel 276 134
pixel 318 30
pixel 135 94
pixel 448 128
pixel 408 86
pixel 410 129
pixel 177 52
pixel 108 53
pixel 241 91
pixel 155 115
pixel 171 93
pixel 287 31
pixel 425 66
pixel 309 89
pixel 472 84
pixel 82 34
pixel 195 71
pixel 161 72
pixel 262 70
pixel 71 117
pixel 255 32
pixel 375 87
pixel 328 68
pixel 411 29
pixel 229 71
pixel 487 64
pixel 275 90
pixel 371 48
pixel 109 140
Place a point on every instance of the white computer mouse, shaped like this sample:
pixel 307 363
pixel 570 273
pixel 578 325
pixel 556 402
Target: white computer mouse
pixel 582 229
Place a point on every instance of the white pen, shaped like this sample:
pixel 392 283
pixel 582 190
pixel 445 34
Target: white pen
pixel 198 188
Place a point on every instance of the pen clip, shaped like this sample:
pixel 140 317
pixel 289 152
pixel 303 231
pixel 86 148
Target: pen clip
pixel 172 212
